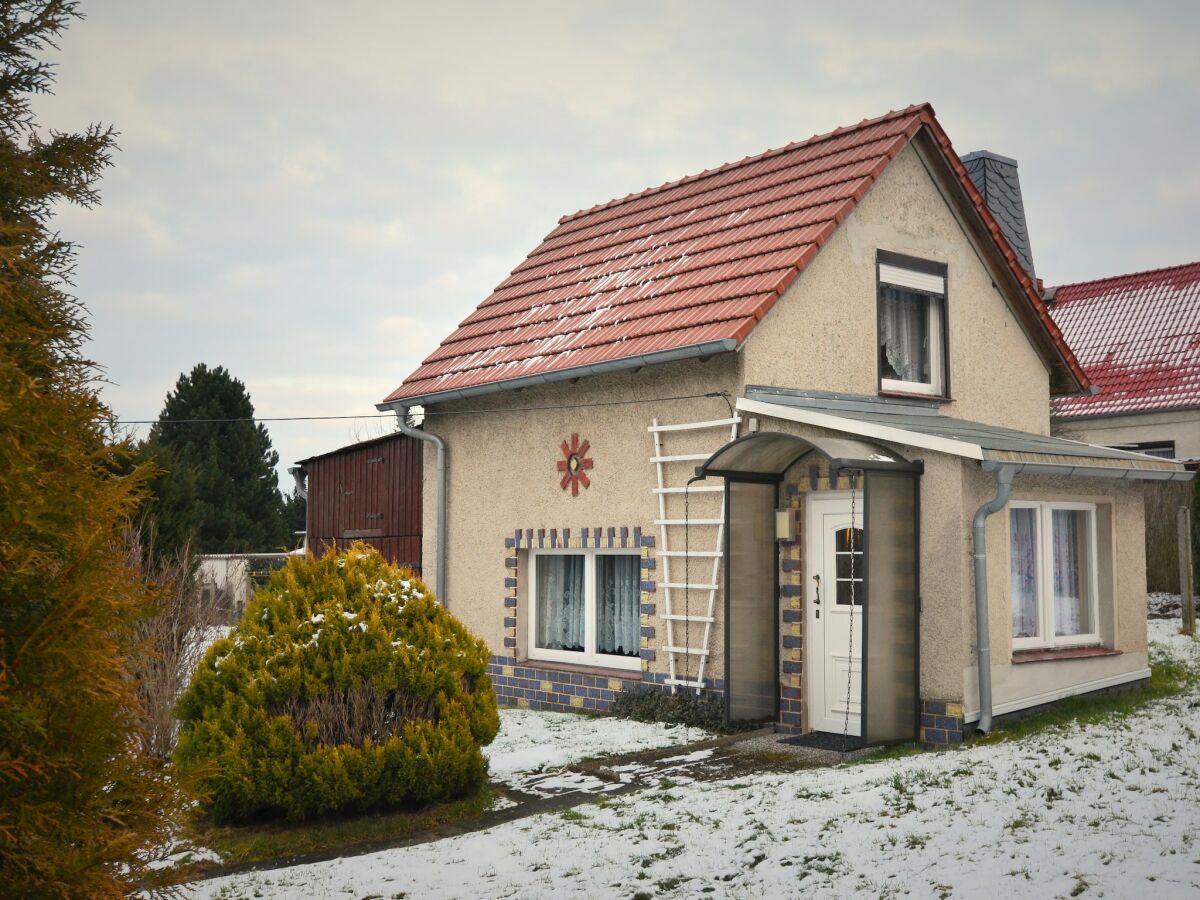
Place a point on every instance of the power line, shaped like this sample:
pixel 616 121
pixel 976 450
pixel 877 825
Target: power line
pixel 724 395
pixel 248 419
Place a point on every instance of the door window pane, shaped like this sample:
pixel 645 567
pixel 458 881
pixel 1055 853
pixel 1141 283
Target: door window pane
pixel 618 623
pixel 847 546
pixel 560 602
pixel 1024 574
pixel 904 335
pixel 1072 572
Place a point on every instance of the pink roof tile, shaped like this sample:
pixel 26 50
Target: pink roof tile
pixel 1138 338
pixel 678 266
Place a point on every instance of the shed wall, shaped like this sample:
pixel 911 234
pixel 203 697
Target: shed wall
pixel 371 493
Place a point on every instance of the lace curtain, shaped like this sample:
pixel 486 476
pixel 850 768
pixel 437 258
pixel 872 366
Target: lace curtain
pixel 1023 537
pixel 1070 572
pixel 903 334
pixel 560 602
pixel 617 615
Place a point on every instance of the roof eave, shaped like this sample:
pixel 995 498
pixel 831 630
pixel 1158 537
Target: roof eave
pixel 1030 462
pixel 1120 414
pixel 693 351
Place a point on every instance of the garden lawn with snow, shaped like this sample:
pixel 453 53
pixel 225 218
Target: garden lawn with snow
pixel 531 742
pixel 1104 809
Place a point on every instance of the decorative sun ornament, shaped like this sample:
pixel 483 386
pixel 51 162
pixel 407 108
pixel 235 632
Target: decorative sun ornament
pixel 574 464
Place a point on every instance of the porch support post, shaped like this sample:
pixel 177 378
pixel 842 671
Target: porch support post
pixel 1004 479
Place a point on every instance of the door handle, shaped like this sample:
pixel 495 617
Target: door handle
pixel 817 599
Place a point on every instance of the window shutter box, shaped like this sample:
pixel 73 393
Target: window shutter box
pixel 907 278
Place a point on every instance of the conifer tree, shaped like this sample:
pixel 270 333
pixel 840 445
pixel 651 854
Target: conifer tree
pixel 205 425
pixel 169 516
pixel 79 807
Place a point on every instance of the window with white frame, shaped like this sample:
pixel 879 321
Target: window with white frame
pixel 1054 575
pixel 584 607
pixel 912 325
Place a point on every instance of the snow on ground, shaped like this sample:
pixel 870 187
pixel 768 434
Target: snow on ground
pixel 531 742
pixel 1109 809
pixel 1164 606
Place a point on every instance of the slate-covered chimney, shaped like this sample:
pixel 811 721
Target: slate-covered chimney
pixel 996 178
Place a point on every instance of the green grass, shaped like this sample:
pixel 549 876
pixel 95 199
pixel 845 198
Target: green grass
pixel 1167 678
pixel 265 842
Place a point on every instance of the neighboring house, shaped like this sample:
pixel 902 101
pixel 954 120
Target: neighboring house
pixel 370 492
pixel 829 362
pixel 1138 338
pixel 228 580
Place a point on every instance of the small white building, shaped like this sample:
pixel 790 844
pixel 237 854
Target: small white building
pixel 228 580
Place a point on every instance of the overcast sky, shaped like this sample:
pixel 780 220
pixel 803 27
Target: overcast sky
pixel 313 194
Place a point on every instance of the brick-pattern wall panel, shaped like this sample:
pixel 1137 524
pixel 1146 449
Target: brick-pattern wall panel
pixel 941 723
pixel 540 685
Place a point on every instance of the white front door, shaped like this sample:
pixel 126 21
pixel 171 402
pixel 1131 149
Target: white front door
pixel 835 571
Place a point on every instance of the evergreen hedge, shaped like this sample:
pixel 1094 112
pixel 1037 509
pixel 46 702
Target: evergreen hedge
pixel 346 687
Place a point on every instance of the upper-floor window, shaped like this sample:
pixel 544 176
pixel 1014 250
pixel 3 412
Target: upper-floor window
pixel 912 325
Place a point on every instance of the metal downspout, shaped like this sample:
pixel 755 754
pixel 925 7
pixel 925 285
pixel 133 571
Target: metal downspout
pixel 439 584
pixel 1004 479
pixel 301 478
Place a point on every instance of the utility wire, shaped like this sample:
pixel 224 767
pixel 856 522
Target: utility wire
pixel 249 419
pixel 724 395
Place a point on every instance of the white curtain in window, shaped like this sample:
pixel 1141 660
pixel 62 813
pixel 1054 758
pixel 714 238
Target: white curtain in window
pixel 617 598
pixel 903 333
pixel 1023 539
pixel 560 602
pixel 1069 527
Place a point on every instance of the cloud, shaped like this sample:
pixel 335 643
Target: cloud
pixel 314 194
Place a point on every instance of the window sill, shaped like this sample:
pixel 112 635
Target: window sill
pixel 914 395
pixel 1028 656
pixel 575 669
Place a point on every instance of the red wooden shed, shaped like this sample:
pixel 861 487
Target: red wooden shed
pixel 369 491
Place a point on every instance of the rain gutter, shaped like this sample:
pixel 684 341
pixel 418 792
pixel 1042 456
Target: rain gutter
pixel 1004 480
pixel 1019 468
pixel 439 584
pixel 696 351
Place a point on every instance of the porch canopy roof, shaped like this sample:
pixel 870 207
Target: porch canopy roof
pixel 768 454
pixel 917 423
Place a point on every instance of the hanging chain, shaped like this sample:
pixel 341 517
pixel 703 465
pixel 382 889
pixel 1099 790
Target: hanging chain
pixel 853 478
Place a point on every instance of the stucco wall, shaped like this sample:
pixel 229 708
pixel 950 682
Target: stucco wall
pixel 503 449
pixel 503 476
pixel 821 334
pixel 1182 427
pixel 1122 563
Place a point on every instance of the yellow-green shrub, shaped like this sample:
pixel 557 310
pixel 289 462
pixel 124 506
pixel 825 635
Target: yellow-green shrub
pixel 346 686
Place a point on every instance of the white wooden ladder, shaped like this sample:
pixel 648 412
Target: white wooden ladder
pixel 677 651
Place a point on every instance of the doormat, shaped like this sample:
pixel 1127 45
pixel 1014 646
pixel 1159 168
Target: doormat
pixel 823 740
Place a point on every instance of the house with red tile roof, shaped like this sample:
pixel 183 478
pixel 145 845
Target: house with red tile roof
pixel 778 433
pixel 1137 337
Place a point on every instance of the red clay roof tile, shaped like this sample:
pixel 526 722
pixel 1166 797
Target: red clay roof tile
pixel 693 261
pixel 1138 338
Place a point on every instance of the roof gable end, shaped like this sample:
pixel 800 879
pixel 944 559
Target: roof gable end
pixel 684 269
